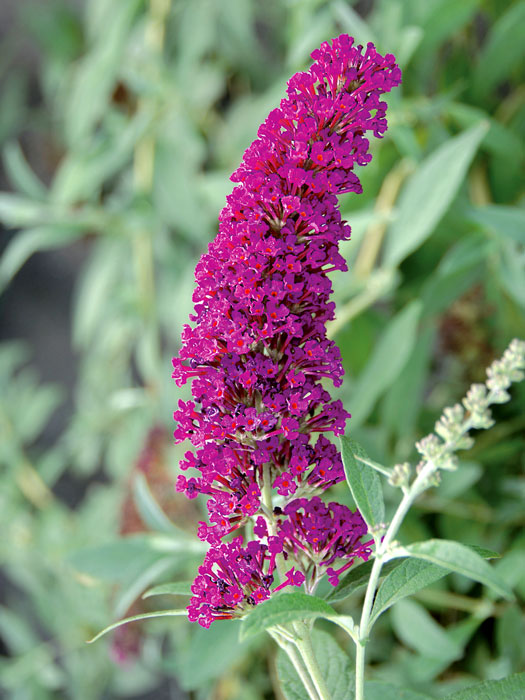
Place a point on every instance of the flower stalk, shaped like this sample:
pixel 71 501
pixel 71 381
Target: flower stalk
pixel 438 453
pixel 304 645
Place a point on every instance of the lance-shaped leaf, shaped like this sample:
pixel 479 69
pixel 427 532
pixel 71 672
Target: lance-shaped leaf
pixel 406 579
pixel 150 511
pixel 429 193
pixel 364 483
pixel 459 558
pixel 414 625
pixel 143 616
pixel 389 357
pixel 282 609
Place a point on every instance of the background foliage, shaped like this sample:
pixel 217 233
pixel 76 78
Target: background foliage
pixel 142 111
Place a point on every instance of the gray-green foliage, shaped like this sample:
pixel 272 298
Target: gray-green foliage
pixel 147 130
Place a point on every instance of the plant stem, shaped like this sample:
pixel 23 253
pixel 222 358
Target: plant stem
pixel 381 549
pixel 377 285
pixel 385 202
pixel 297 664
pixel 266 493
pixel 27 477
pixel 419 484
pixel 304 645
pixel 435 598
pixel 143 172
pixel 302 639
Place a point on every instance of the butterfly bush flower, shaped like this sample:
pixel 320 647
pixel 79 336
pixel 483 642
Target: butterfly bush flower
pixel 258 351
pixel 318 535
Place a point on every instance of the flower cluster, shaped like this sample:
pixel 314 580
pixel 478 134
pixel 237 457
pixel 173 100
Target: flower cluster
pixel 319 534
pixel 231 578
pixel 258 351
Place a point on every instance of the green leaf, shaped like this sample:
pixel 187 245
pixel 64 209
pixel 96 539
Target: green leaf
pixel 38 408
pixel 441 20
pixel 126 559
pixel 378 690
pixel 282 609
pixel 13 355
pixel 83 171
pixel 95 287
pixel 17 633
pixel 353 23
pixel 510 632
pixel 17 211
pixel 504 49
pixel 95 75
pixel 390 355
pixel 406 579
pixel 20 173
pixel 429 193
pixel 127 595
pixel 511 270
pixel 459 558
pixel 121 561
pixel 176 588
pixel 338 674
pixel 419 631
pixel 364 483
pixel 453 484
pixel 151 513
pixel 458 270
pixel 499 140
pixel 142 616
pixel 463 255
pixel 511 688
pixel 356 579
pixel 502 221
pixel 212 651
pixel 334 663
pixel 409 387
pixel 26 243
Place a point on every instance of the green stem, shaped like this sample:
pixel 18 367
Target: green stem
pixel 386 199
pixel 416 488
pixel 143 171
pixel 297 664
pixel 435 598
pixel 377 285
pixel 381 549
pixel 310 673
pixel 266 497
pixel 304 645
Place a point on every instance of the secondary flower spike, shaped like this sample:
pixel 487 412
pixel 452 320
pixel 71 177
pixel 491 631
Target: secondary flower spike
pixel 258 352
pixel 318 535
pixel 233 578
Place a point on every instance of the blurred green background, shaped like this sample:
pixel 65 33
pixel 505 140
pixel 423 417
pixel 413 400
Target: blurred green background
pixel 120 124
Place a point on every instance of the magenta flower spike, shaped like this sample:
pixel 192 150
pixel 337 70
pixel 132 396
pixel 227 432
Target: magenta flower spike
pixel 258 351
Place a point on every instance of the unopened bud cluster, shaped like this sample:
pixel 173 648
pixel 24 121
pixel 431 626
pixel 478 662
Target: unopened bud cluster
pixel 502 373
pixel 451 430
pixel 400 475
